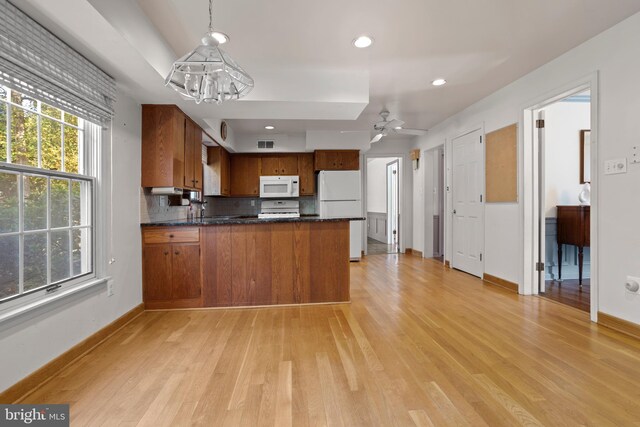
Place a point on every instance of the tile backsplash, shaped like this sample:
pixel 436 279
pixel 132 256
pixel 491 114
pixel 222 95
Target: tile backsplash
pixel 151 211
pixel 243 205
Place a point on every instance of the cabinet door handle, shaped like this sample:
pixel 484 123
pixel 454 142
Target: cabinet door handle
pixel 177 252
pixel 171 236
pixel 166 252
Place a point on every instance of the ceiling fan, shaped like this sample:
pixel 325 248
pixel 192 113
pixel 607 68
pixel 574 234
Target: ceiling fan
pixel 387 126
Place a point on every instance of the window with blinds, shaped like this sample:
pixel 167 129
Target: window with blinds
pixel 54 106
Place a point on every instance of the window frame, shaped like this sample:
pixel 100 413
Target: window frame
pixel 22 171
pixel 89 171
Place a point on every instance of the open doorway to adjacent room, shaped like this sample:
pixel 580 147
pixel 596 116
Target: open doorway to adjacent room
pixel 565 185
pixel 433 164
pixel 383 205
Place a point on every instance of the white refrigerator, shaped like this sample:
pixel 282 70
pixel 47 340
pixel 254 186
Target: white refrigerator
pixel 339 196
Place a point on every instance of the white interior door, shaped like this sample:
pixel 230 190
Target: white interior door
pixel 468 206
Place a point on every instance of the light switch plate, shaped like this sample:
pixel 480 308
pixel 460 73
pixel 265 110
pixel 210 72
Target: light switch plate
pixel 615 166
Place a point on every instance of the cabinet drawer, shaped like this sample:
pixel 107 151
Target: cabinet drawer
pixel 171 235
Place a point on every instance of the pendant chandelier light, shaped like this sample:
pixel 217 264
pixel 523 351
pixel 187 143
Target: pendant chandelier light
pixel 208 73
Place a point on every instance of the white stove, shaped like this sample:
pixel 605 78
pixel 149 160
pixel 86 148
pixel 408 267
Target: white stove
pixel 279 209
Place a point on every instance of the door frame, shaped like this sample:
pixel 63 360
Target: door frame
pixel 402 200
pixel 398 223
pixel 429 181
pixel 529 187
pixel 449 199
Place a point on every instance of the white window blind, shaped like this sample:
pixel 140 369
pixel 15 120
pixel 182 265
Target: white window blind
pixel 36 62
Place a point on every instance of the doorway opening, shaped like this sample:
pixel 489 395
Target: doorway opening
pixel 383 205
pixel 434 168
pixel 564 129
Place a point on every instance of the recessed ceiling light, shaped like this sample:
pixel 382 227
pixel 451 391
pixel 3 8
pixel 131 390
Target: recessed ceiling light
pixel 362 42
pixel 439 82
pixel 398 127
pixel 269 127
pixel 222 38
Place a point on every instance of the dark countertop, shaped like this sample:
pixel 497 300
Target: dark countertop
pixel 231 220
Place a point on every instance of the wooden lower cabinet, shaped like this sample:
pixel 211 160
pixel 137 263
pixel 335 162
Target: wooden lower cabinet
pixel 171 271
pixel 269 264
pixel 248 265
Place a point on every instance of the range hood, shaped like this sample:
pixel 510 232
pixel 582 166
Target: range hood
pixel 166 191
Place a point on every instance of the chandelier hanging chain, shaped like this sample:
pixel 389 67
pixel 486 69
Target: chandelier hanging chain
pixel 210 16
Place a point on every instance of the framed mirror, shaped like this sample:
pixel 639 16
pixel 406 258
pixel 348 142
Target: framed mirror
pixel 585 156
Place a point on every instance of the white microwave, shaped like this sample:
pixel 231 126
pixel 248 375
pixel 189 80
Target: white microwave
pixel 279 186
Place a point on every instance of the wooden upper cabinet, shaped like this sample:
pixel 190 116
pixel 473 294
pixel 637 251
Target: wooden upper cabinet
pixel 189 151
pixel 289 165
pixel 171 148
pixel 197 158
pixel 217 173
pixel 307 174
pixel 270 165
pixel 163 146
pixel 337 160
pixel 283 164
pixel 192 155
pixel 245 175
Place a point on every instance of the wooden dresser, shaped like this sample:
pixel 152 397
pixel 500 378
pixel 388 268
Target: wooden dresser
pixel 574 228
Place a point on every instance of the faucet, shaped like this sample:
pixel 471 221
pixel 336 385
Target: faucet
pixel 202 209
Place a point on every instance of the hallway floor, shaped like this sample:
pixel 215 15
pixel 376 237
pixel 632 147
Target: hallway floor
pixel 569 292
pixel 375 247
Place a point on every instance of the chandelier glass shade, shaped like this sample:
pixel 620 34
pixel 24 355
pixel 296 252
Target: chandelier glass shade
pixel 208 73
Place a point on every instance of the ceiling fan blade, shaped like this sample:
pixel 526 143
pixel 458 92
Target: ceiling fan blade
pixel 393 124
pixel 376 138
pixel 406 131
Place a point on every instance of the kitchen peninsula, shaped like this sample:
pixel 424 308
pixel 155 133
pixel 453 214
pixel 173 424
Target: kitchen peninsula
pixel 245 261
pixel 272 258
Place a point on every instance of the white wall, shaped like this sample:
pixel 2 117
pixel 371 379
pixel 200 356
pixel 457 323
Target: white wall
pixel 377 184
pixel 282 143
pixel 212 127
pixel 563 122
pixel 336 140
pixel 615 54
pixel 32 340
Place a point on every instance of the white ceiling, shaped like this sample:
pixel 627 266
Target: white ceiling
pixel 308 75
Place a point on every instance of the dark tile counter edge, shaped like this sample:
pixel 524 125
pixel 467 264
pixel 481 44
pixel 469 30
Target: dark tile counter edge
pixel 234 221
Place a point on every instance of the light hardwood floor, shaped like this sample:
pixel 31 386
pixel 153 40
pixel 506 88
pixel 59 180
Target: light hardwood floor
pixel 419 345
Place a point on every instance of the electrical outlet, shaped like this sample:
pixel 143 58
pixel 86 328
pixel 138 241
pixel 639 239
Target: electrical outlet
pixel 110 288
pixel 253 203
pixel 632 285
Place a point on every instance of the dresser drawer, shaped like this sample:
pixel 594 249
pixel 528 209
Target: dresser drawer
pixel 170 235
